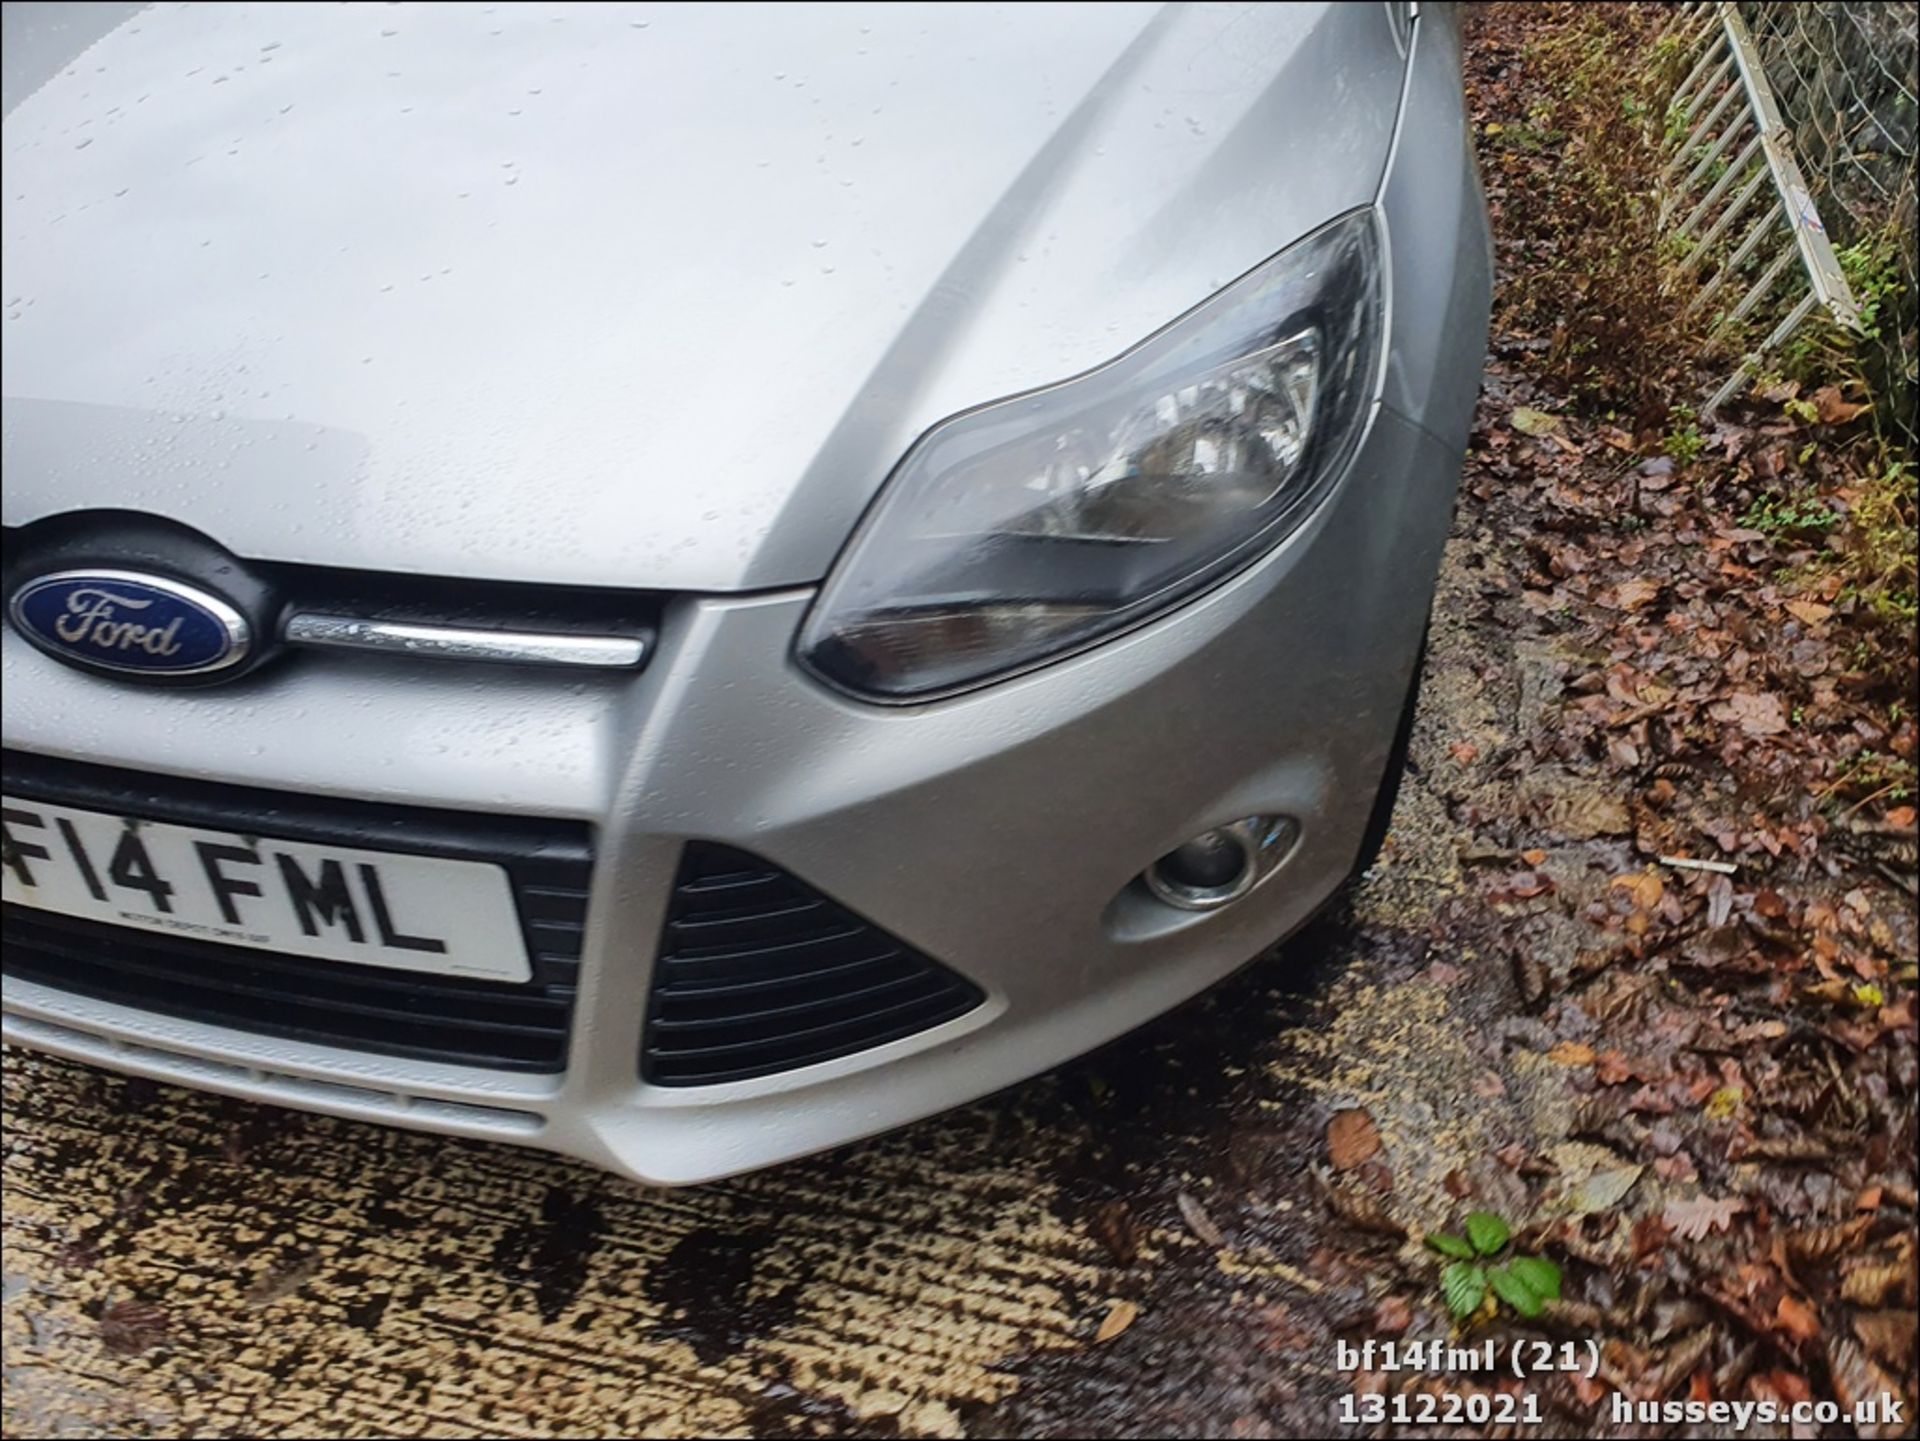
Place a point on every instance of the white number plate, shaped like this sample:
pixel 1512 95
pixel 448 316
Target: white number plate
pixel 374 908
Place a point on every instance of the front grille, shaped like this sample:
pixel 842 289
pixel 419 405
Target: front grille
pixel 759 973
pixel 505 1026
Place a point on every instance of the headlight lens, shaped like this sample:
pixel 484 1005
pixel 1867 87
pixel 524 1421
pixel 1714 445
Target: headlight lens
pixel 1030 527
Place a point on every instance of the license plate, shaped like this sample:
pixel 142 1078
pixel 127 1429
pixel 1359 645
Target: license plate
pixel 372 908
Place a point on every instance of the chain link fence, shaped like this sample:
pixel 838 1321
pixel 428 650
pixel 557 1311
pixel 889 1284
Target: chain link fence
pixel 1843 74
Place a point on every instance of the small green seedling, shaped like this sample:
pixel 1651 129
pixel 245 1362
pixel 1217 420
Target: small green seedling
pixel 1524 1283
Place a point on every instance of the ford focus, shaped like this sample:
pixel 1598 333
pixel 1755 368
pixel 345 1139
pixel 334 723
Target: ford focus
pixel 685 585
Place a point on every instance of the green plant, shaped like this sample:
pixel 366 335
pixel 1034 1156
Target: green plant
pixel 1873 274
pixel 1781 517
pixel 1683 440
pixel 1524 1283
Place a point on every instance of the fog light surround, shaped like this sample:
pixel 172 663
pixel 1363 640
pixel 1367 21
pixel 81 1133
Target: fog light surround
pixel 1218 867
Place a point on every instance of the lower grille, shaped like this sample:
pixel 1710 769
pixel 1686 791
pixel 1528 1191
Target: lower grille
pixel 502 1026
pixel 760 973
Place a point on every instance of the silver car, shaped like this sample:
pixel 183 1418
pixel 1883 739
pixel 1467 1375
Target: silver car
pixel 688 584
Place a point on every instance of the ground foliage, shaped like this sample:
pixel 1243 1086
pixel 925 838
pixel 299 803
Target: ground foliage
pixel 1723 697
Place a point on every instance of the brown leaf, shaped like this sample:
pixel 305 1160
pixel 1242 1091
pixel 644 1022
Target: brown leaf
pixel 130 1327
pixel 1649 1235
pixel 1571 1053
pixel 1645 887
pixel 1889 1335
pixel 1586 814
pixel 1820 1243
pixel 1360 1207
pixel 1521 885
pixel 1120 1315
pixel 1351 1138
pixel 1612 1069
pixel 1114 1227
pixel 1693 1219
pixel 1834 409
pixel 1393 1315
pixel 1464 752
pixel 1796 1318
pixel 1635 594
pixel 1531 976
pixel 1756 713
pixel 1198 1220
pixel 1857 1379
pixel 1870 1284
pixel 1809 611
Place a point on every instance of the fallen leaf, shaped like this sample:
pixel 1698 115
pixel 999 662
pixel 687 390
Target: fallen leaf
pixel 1352 1137
pixel 1571 1053
pixel 281 1282
pixel 1604 1190
pixel 1811 612
pixel 1694 1219
pixel 1529 421
pixel 1120 1315
pixel 1585 814
pixel 1724 1103
pixel 1464 752
pixel 1113 1225
pixel 1856 1380
pixel 1393 1315
pixel 1823 1243
pixel 1833 408
pixel 1756 713
pixel 1612 1069
pixel 1198 1220
pixel 1796 1318
pixel 130 1327
pixel 1888 1334
pixel 1870 1284
pixel 1645 887
pixel 1719 901
pixel 1635 594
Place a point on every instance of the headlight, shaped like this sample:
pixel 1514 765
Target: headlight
pixel 1026 529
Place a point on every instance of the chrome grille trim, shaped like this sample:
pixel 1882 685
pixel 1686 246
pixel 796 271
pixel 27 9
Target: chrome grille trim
pixel 449 642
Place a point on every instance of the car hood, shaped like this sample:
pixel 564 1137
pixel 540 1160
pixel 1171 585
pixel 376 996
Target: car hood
pixel 650 297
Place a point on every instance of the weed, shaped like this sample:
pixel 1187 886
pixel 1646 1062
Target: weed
pixel 1470 1283
pixel 1782 517
pixel 1596 217
pixel 1683 440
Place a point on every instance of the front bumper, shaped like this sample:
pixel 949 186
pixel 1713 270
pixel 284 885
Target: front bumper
pixel 998 832
pixel 995 832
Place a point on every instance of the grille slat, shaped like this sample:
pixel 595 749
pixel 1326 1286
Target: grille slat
pixel 499 1025
pixel 894 990
pixel 760 983
pixel 759 973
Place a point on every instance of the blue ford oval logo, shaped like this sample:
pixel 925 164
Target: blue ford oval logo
pixel 137 625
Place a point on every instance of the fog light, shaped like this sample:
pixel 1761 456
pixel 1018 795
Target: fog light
pixel 1219 866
